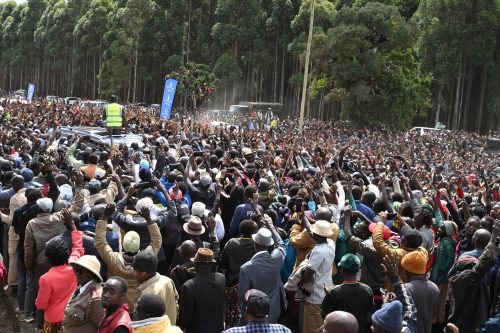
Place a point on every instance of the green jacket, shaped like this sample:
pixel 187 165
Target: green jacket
pixel 445 257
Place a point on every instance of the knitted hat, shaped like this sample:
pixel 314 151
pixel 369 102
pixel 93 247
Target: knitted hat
pixel 145 261
pixel 45 204
pixel 131 242
pixel 415 262
pixel 389 318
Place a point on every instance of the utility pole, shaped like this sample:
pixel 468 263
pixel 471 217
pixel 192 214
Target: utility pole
pixel 306 69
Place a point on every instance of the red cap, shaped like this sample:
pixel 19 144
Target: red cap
pixel 386 233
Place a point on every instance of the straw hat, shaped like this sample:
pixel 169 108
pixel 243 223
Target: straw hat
pixel 90 263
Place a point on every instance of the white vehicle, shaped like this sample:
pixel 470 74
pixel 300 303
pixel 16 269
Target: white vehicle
pixel 71 100
pixel 100 135
pixel 92 104
pixel 243 109
pixel 426 130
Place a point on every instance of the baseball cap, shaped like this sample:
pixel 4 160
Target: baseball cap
pixel 258 303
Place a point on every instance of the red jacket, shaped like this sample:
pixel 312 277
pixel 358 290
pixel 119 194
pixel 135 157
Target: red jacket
pixel 58 284
pixel 118 318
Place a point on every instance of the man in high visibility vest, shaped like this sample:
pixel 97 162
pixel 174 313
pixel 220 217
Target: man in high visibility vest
pixel 114 115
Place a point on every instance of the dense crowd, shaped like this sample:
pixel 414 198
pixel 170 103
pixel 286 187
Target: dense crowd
pixel 246 228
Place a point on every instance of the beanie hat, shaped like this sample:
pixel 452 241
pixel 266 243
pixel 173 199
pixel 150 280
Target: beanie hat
pixel 131 242
pixel 389 318
pixel 145 261
pixel 45 204
pixel 415 262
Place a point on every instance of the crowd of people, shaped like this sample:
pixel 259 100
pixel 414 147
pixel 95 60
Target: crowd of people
pixel 246 228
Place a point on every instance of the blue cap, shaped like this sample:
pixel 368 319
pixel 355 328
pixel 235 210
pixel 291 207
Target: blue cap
pixel 144 165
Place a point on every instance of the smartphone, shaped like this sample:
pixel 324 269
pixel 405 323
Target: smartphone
pixel 198 153
pixel 391 216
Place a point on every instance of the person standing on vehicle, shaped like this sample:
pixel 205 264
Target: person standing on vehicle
pixel 114 114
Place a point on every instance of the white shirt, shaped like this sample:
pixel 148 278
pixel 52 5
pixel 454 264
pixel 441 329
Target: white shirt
pixel 84 287
pixel 321 261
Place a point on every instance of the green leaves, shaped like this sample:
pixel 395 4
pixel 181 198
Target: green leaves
pixel 366 62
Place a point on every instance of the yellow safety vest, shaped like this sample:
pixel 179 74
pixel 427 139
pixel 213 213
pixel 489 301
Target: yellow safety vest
pixel 114 115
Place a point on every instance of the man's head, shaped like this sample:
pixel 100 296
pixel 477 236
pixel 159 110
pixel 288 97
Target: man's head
pixel 471 226
pixel 45 205
pixel 388 319
pixel 112 99
pixel 368 198
pixel 412 239
pixel 248 228
pixel 114 292
pixel 486 223
pixel 350 265
pixel 340 322
pixel 423 218
pixel 250 191
pixel 149 306
pixel 258 305
pixel 415 262
pixel 187 250
pixel 145 265
pixel 321 231
pixel 324 213
pixel 17 183
pixel 32 195
pixel 93 159
pixel 263 240
pixel 204 260
pixel 481 238
pixel 131 242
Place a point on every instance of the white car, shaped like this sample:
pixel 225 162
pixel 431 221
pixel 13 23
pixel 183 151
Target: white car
pixel 71 100
pixel 426 130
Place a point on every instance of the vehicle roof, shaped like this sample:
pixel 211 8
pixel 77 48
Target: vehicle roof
pixel 101 134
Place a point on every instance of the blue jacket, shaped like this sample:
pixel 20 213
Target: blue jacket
pixel 242 212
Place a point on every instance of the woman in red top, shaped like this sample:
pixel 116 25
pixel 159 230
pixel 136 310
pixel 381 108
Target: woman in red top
pixel 59 283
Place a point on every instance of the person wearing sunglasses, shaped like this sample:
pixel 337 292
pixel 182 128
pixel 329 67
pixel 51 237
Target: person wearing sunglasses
pixel 84 310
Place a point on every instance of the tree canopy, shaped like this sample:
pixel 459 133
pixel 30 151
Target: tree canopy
pixel 393 62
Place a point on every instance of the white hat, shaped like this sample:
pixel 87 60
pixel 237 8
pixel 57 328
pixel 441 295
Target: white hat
pixel 263 237
pixel 90 263
pixel 198 209
pixel 322 228
pixel 131 242
pixel 246 151
pixel 144 202
pixel 99 173
pixel 45 205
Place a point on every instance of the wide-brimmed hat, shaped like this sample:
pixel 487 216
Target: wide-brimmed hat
pixel 194 226
pixel 322 228
pixel 90 263
pixel 263 237
pixel 203 255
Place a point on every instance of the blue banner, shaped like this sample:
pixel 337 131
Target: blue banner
pixel 31 92
pixel 168 99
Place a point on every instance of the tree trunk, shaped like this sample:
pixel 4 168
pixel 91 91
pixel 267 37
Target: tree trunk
pixel 438 111
pixel 282 86
pixel 484 79
pixel 456 109
pixel 466 108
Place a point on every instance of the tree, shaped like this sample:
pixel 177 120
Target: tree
pixel 366 61
pixel 196 82
pixel 122 55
